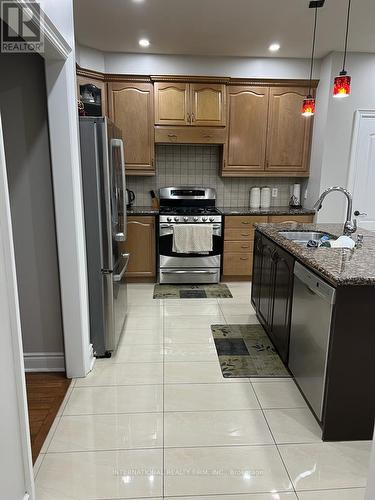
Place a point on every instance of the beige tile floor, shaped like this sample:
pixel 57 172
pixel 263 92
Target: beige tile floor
pixel 158 420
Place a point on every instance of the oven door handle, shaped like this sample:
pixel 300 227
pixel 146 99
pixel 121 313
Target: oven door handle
pixel 166 226
pixel 188 272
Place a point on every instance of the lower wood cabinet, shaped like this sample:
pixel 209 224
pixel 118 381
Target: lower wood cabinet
pixel 291 218
pixel 272 291
pixel 239 242
pixel 238 245
pixel 140 244
pixel 238 264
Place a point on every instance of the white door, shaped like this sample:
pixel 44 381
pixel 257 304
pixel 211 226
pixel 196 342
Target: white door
pixel 16 476
pixel 362 169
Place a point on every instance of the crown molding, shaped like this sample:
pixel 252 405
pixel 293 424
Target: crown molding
pixel 253 82
pixel 273 82
pixel 55 45
pixel 190 79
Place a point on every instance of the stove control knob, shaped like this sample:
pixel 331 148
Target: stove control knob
pixel 212 219
pixel 176 219
pixel 186 219
pixel 169 219
pixel 204 219
pixel 195 219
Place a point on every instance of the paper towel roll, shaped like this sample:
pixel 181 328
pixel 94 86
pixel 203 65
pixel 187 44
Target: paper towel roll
pixel 297 192
pixel 255 197
pixel 265 197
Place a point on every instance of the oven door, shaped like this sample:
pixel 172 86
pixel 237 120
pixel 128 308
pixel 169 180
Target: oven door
pixel 171 259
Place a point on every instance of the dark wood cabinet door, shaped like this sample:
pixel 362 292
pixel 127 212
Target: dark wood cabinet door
pixel 257 269
pixel 281 301
pixel 266 283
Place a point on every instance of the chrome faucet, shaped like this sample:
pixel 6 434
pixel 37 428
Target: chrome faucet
pixel 350 225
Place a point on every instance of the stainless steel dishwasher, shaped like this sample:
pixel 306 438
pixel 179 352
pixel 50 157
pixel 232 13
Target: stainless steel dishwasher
pixel 313 301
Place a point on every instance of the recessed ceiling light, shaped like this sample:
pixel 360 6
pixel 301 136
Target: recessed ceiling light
pixel 274 47
pixel 143 42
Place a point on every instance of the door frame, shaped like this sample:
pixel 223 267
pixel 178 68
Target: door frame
pixel 12 305
pixel 359 115
pixel 60 69
pixel 60 74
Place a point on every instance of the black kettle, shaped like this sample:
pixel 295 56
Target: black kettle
pixel 130 197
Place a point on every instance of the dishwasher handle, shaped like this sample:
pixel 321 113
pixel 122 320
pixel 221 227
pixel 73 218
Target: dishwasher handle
pixel 314 284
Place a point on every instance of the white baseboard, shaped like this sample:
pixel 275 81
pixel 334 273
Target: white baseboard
pixel 92 358
pixel 44 361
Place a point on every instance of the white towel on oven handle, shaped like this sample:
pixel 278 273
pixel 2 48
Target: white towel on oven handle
pixel 192 238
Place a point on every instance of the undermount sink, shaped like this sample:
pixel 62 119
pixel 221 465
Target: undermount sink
pixel 302 237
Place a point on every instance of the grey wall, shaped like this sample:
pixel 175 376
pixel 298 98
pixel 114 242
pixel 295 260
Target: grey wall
pixel 166 64
pixel 193 165
pixel 24 116
pixel 333 129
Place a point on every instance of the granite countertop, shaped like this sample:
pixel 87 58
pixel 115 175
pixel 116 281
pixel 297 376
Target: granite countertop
pixel 339 266
pixel 265 211
pixel 234 211
pixel 142 211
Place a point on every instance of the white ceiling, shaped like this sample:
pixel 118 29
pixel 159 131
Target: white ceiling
pixel 222 27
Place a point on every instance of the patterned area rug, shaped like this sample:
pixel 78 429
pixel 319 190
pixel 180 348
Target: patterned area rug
pixel 218 291
pixel 246 351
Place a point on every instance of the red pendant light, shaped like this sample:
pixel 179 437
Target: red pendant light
pixel 341 84
pixel 308 105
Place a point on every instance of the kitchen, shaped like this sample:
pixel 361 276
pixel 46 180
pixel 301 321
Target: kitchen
pixel 228 243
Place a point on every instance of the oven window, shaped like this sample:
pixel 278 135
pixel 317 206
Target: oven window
pixel 166 245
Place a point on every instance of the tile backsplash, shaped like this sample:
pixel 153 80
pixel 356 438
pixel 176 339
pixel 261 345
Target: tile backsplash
pixel 192 165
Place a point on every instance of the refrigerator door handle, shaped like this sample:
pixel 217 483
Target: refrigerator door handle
pixel 121 235
pixel 119 276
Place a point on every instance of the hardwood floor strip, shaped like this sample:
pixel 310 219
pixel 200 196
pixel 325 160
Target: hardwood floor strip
pixel 45 393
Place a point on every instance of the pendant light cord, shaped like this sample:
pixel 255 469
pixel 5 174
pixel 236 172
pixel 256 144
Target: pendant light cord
pixel 313 49
pixel 346 35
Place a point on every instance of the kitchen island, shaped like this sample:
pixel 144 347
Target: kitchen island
pixel 343 363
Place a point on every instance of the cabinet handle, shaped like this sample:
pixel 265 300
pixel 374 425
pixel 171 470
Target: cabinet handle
pixel 188 118
pixel 192 117
pixel 245 246
pixel 138 223
pixel 172 135
pixel 207 136
pixel 244 258
pixel 245 222
pixel 245 234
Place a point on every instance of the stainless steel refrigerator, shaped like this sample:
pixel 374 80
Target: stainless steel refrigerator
pixel 104 191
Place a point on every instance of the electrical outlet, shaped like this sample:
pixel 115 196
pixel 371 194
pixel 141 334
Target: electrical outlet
pixel 274 192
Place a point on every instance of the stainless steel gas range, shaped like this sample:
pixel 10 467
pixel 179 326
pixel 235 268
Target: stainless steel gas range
pixel 189 205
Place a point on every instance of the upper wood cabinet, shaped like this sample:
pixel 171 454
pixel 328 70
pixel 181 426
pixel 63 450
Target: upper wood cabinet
pixel 192 104
pixel 131 109
pixel 267 134
pixel 247 128
pixel 83 80
pixel 172 103
pixel 207 104
pixel 289 132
